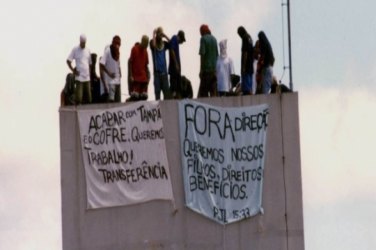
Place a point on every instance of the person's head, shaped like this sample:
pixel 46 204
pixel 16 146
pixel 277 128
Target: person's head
pixel 223 48
pixel 262 37
pixel 181 36
pixel 266 48
pixel 159 33
pixel 204 29
pixel 263 42
pixel 241 31
pixel 144 41
pixel 116 41
pixel 82 41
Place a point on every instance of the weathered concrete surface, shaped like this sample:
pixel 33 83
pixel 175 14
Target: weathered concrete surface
pixel 155 225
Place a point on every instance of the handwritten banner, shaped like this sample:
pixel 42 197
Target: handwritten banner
pixel 124 155
pixel 223 152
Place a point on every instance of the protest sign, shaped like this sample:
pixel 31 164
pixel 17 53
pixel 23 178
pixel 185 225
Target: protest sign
pixel 124 155
pixel 223 152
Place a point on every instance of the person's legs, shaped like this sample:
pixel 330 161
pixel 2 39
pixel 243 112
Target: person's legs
pixel 212 79
pixel 246 84
pixel 267 79
pixel 203 90
pixel 78 93
pixel 221 93
pixel 117 93
pixel 87 92
pixel 178 86
pixel 173 85
pixel 134 90
pixel 157 86
pixel 111 92
pixel 165 87
pixel 144 90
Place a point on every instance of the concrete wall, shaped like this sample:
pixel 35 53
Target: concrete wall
pixel 155 225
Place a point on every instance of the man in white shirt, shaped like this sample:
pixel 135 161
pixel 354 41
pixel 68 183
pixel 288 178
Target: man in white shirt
pixel 224 70
pixel 81 55
pixel 110 69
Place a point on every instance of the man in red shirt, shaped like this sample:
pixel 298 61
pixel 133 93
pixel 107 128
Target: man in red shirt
pixel 139 75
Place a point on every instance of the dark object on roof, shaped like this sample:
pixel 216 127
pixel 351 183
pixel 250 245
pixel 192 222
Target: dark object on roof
pixel 186 88
pixel 67 95
pixel 279 88
pixel 235 79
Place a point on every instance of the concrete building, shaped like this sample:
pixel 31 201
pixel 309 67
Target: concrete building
pixel 157 225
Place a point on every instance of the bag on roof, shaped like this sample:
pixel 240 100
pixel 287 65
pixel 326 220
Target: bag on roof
pixel 68 90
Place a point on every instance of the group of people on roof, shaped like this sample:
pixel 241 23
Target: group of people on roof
pixel 217 75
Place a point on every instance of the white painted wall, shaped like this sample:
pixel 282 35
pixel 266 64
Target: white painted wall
pixel 155 225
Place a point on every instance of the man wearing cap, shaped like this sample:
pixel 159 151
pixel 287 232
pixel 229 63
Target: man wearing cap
pixel 174 68
pixel 82 57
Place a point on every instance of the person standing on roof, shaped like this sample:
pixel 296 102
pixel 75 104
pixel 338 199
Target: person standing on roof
pixel 139 75
pixel 159 45
pixel 208 59
pixel 82 57
pixel 224 70
pixel 246 61
pixel 111 72
pixel 267 61
pixel 174 68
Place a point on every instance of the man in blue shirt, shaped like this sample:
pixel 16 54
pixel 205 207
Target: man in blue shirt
pixel 159 45
pixel 174 68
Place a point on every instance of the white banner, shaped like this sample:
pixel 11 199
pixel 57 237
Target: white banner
pixel 124 155
pixel 223 152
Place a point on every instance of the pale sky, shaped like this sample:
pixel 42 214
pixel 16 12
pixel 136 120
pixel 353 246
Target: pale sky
pixel 334 71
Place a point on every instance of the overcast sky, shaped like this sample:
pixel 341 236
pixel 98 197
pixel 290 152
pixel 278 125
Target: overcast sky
pixel 334 70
